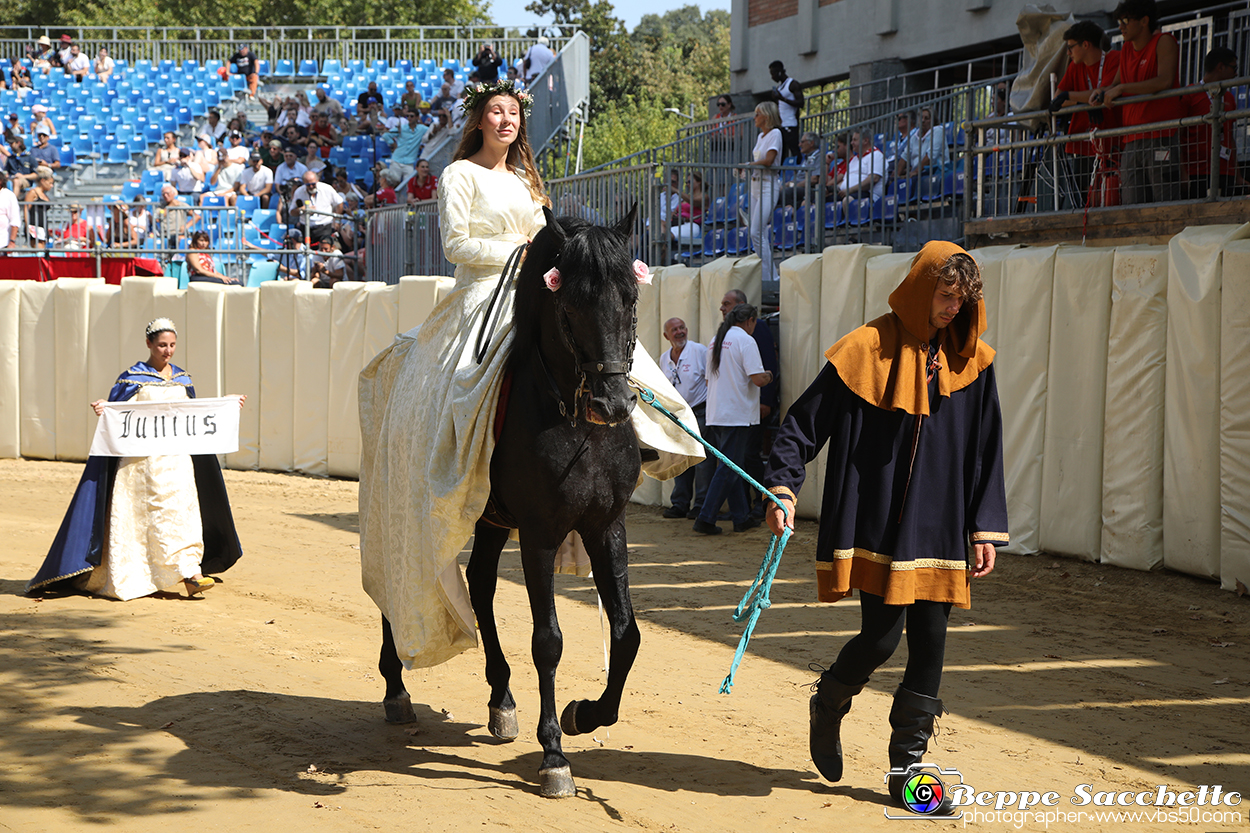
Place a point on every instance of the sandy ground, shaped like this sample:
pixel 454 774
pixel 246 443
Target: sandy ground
pixel 258 707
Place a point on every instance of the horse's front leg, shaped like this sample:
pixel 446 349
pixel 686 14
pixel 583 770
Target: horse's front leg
pixel 396 702
pixel 483 575
pixel 609 557
pixel 547 645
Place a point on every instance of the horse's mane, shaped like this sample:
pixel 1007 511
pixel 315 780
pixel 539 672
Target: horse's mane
pixel 592 260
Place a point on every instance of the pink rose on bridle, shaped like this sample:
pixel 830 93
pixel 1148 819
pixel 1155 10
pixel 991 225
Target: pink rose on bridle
pixel 552 279
pixel 642 272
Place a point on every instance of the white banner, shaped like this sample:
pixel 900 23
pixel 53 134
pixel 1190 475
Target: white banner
pixel 149 429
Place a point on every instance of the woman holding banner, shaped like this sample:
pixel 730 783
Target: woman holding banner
pixel 138 525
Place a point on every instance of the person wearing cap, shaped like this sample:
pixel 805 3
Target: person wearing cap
pixel 914 500
pixel 256 180
pixel 245 64
pixel 220 182
pixel 327 106
pixel 10 215
pixel 39 118
pixel 204 155
pixel 103 64
pixel 78 65
pixel 187 177
pixel 537 58
pixel 43 152
pixel 395 119
pixel 326 267
pixel 67 43
pixel 236 151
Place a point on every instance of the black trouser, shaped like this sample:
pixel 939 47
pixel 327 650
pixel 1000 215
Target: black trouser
pixel 789 143
pixel 881 629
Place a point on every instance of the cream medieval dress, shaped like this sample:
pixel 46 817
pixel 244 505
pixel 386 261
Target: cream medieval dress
pixel 427 410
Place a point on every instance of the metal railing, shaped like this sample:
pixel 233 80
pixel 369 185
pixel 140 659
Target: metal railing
pixel 1018 172
pixel 290 43
pixel 404 240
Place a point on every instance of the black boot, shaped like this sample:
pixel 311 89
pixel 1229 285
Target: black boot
pixel 911 719
pixel 828 706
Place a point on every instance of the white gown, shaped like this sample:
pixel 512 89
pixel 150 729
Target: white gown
pixel 427 410
pixel 154 537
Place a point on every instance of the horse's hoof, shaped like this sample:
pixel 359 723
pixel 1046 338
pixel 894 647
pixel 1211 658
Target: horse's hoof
pixel 568 718
pixel 557 782
pixel 399 709
pixel 502 723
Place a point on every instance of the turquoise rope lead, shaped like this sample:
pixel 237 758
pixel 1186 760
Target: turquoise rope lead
pixel 756 600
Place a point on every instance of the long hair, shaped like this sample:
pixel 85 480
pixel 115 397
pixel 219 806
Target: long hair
pixel 772 116
pixel 520 154
pixel 740 314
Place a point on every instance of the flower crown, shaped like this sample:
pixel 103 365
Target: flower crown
pixel 473 93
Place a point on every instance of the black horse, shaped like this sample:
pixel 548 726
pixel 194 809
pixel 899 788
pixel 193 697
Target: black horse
pixel 567 459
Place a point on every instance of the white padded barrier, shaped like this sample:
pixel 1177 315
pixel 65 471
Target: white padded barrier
pixel 1071 509
pixel 71 306
pixel 1132 456
pixel 417 298
pixel 841 302
pixel 1023 313
pixel 241 370
pixel 650 325
pixel 36 369
pixel 277 376
pixel 1235 416
pixel 10 376
pixel 349 309
pixel 990 260
pixel 679 298
pixel 201 346
pixel 311 393
pixel 801 353
pixel 1191 423
pixel 881 275
pixel 717 278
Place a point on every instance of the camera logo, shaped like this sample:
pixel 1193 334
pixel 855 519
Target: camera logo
pixel 925 792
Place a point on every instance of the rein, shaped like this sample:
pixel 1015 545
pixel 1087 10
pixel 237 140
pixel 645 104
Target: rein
pixel 487 329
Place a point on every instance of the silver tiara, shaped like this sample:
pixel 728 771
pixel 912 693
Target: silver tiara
pixel 159 325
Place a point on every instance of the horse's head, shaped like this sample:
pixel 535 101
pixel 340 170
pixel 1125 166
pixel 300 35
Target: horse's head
pixel 576 302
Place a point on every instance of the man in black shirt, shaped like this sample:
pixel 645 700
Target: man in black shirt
pixel 487 63
pixel 245 64
pixel 369 97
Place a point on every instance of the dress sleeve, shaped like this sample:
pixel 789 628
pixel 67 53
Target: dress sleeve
pixel 457 196
pixel 803 433
pixel 987 509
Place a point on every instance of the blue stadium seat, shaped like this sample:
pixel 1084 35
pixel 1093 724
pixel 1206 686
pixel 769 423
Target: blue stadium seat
pixel 211 67
pixel 331 66
pixel 262 68
pixel 451 63
pixel 247 203
pixel 263 219
pixel 738 241
pixel 151 181
pixel 858 212
pixel 930 187
pixel 190 65
pixel 380 65
pixel 885 210
pixel 355 66
pixel 284 68
pixel 178 271
pixel 261 272
pixel 152 132
pixel 308 68
pixel 131 189
pixel 714 243
pixel 786 235
pixel 119 154
pixel 404 65
pixel 67 155
pixel 135 143
pixel 167 65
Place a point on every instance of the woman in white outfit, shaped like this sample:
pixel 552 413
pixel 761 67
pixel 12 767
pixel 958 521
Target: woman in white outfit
pixel 427 406
pixel 765 184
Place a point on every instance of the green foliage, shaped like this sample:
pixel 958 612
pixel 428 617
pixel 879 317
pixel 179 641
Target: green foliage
pixel 73 13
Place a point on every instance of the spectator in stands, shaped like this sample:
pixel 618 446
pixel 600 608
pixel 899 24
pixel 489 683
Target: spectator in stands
pixel 271 153
pixel 795 189
pixel 455 86
pixel 411 99
pixel 406 140
pixel 321 202
pixel 64 53
pixel 138 222
pixel 187 177
pixel 907 133
pixel 44 153
pixel 293 116
pixel 1220 64
pixel 103 64
pixel 764 185
pixel 273 108
pixel 200 266
pixel 245 64
pixel 395 119
pixel 38 198
pixel 345 186
pixel 78 65
pixel 789 97
pixel 176 215
pixel 1089 69
pixel 41 57
pixel 326 267
pixel 255 180
pixel 19 80
pixel 1149 63
pixel 423 185
pixel 205 155
pixel 323 137
pixel 13 129
pixel 537 58
pixel 10 215
pixel 369 121
pixel 293 137
pixel 19 166
pixel 928 152
pixel 213 126
pixel 724 108
pixel 385 195
pixel 77 233
pixel 221 182
pixel 329 107
pixel 305 106
pixel 291 168
pixel 865 171
pixel 39 119
pixel 514 75
pixel 166 156
pixel 488 63
pixel 369 97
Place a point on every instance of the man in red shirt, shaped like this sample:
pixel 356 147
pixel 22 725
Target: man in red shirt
pixel 1149 63
pixel 1219 65
pixel 1089 69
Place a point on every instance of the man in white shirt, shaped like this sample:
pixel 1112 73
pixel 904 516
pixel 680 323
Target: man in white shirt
pixel 927 152
pixel 221 182
pixel 237 152
pixel 789 97
pixel 685 365
pixel 321 201
pixel 865 173
pixel 396 118
pixel 78 65
pixel 10 215
pixel 454 87
pixel 537 58
pixel 256 180
pixel 291 168
pixel 186 177
pixel 326 267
